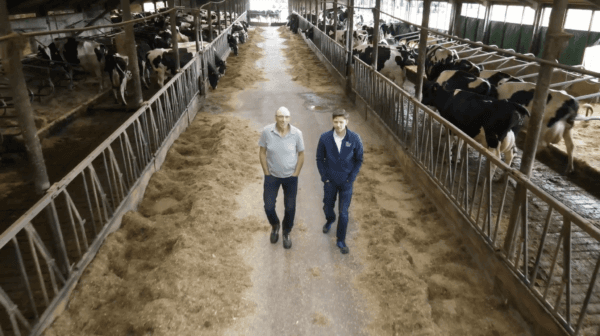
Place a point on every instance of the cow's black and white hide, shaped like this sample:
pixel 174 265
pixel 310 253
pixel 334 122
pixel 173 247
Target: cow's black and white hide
pixel 221 64
pixel 89 55
pixel 232 42
pixel 491 122
pixel 496 78
pixel 163 60
pixel 390 62
pixel 559 116
pixel 116 67
pixel 142 49
pixel 463 65
pixel 460 80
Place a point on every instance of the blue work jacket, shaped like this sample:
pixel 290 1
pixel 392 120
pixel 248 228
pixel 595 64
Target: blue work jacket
pixel 335 166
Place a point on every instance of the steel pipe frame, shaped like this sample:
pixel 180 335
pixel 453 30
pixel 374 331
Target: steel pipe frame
pixel 422 50
pixel 551 51
pixel 185 93
pixel 76 30
pixel 569 217
pixel 131 50
pixel 584 78
pixel 418 154
pixel 376 17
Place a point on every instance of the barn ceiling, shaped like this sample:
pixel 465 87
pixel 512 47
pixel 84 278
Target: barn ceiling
pixel 41 7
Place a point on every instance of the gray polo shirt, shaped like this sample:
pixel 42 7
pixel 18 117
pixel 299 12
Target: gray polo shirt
pixel 282 153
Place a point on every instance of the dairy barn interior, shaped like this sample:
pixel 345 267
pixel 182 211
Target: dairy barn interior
pixel 131 195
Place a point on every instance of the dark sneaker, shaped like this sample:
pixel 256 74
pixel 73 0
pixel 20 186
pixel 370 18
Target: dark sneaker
pixel 327 227
pixel 287 241
pixel 343 248
pixel 275 234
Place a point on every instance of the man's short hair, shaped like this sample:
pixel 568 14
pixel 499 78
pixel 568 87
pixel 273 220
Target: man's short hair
pixel 284 111
pixel 340 113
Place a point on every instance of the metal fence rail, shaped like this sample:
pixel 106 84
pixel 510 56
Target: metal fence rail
pixel 334 52
pixel 48 259
pixel 554 251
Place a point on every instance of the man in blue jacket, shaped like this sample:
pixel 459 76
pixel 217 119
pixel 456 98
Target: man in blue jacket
pixel 339 157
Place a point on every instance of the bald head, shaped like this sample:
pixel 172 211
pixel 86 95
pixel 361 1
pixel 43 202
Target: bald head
pixel 283 111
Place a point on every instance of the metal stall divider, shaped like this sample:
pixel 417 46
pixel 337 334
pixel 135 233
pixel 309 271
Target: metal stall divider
pixel 542 255
pixel 88 203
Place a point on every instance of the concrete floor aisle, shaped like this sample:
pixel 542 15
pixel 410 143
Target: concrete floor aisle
pixel 306 290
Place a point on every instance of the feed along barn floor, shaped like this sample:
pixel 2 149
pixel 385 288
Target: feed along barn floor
pixel 195 259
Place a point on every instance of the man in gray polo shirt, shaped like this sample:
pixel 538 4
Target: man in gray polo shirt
pixel 281 156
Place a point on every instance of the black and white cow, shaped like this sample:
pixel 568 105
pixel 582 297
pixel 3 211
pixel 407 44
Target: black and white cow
pixel 221 64
pixel 491 122
pixel 394 29
pixel 116 67
pixel 142 49
pixel 161 63
pixel 232 42
pixel 89 55
pixel 163 60
pixel 559 116
pixel 464 65
pixel 390 62
pixel 436 55
pixel 496 78
pixel 213 76
pixel 460 80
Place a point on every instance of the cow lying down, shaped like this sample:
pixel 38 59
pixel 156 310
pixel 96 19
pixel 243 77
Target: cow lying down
pixel 491 122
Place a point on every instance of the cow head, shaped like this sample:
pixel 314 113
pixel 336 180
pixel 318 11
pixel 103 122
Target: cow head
pixel 429 92
pixel 469 67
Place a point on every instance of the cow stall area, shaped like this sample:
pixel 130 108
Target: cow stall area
pixel 97 153
pixel 555 258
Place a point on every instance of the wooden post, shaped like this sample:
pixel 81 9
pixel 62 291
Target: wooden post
pixel 131 50
pixel 376 33
pixel 556 41
pixel 14 70
pixel 196 24
pixel 317 12
pixel 349 46
pixel 455 20
pixel 486 22
pixel 422 49
pixel 173 20
pixel 210 25
pixel 219 18
pixel 335 20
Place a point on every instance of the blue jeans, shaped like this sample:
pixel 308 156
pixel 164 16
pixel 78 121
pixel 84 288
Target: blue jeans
pixel 290 189
pixel 331 190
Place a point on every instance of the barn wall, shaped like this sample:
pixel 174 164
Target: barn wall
pixel 518 37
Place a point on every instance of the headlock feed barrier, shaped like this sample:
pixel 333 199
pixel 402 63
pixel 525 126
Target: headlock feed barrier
pixel 78 212
pixel 552 251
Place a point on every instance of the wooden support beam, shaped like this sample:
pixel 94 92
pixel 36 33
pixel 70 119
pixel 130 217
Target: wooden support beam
pixel 376 16
pixel 556 41
pixel 174 34
pixel 422 50
pixel 131 50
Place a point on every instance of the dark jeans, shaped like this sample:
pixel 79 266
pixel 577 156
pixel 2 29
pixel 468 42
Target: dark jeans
pixel 331 190
pixel 290 189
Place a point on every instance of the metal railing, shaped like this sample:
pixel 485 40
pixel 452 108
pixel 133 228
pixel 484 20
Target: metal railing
pixel 88 203
pixel 560 277
pixel 554 252
pixel 334 52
